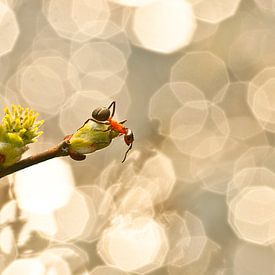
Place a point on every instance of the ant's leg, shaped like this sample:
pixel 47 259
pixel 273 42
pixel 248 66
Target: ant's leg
pixel 85 123
pixel 114 108
pixel 94 120
pixel 123 121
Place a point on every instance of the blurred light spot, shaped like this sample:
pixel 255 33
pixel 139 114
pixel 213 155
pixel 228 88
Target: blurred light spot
pixel 103 270
pixel 107 85
pixel 224 271
pixel 206 262
pixel 59 65
pixel 250 52
pixel 5 63
pixel 121 41
pixel 168 99
pixel 126 238
pixel 69 258
pixel 246 53
pixel 249 177
pixel 54 264
pixel 12 3
pixel 72 218
pixel 11 91
pixel 77 20
pixel 252 259
pixel 256 157
pixel 264 101
pixel 137 201
pixel 109 174
pixel 100 211
pixel 154 183
pixel 45 224
pixel 189 119
pixel 212 78
pixel 194 1
pixel 238 112
pixel 255 204
pixel 30 242
pixel 37 81
pixel 204 30
pixel 90 17
pixel 133 3
pixel 114 180
pixel 9 30
pixel 178 237
pixel 215 11
pixel 181 162
pixel 44 187
pixel 160 171
pixel 217 170
pixel 117 22
pixel 3 100
pixel 31 266
pixel 8 212
pixel 135 194
pixel 164 26
pixel 252 214
pixel 45 81
pixel 253 186
pixel 7 241
pixel 199 129
pixel 266 5
pixel 198 238
pixel 261 99
pixel 99 58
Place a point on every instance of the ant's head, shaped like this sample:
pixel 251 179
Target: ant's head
pixel 129 137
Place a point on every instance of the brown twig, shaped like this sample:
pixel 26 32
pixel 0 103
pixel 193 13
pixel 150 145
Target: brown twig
pixel 62 149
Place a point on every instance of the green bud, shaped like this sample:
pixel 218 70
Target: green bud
pixel 91 137
pixel 19 128
pixel 10 154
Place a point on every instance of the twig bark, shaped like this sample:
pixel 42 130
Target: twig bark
pixel 62 149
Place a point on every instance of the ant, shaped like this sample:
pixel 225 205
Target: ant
pixel 103 115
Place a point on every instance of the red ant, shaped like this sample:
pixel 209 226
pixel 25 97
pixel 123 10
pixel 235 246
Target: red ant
pixel 103 115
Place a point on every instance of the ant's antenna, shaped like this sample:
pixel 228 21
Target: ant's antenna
pixel 130 147
pixel 114 108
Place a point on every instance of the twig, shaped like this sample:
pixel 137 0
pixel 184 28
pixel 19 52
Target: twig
pixel 62 149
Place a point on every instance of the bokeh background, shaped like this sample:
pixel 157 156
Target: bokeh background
pixel 196 81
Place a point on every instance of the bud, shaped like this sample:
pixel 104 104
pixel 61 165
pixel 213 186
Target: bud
pixel 91 137
pixel 19 128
